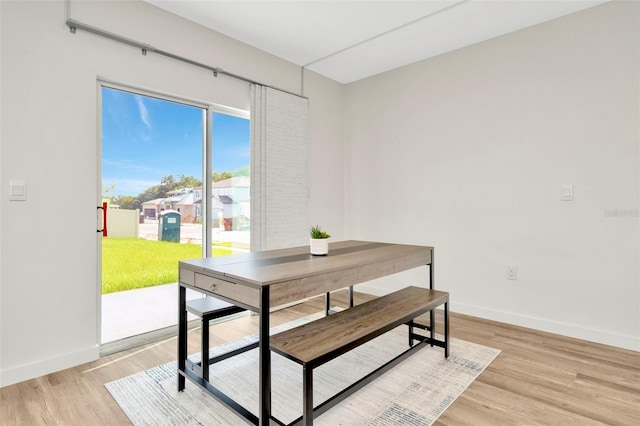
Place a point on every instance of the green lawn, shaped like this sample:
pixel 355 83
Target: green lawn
pixel 129 263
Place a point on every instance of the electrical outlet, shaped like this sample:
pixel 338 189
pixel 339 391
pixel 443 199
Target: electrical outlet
pixel 17 190
pixel 512 273
pixel 566 192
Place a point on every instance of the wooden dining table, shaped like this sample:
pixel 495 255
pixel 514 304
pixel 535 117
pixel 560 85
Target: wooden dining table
pixel 261 281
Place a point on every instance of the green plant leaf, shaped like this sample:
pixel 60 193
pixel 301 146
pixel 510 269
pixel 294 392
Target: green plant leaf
pixel 318 234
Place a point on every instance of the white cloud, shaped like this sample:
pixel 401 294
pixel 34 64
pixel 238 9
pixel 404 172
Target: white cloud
pixel 129 165
pixel 144 113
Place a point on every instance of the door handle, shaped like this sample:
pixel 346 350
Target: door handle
pixel 101 219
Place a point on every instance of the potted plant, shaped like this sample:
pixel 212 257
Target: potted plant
pixel 319 242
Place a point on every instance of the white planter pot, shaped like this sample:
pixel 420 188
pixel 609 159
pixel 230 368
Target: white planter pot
pixel 319 247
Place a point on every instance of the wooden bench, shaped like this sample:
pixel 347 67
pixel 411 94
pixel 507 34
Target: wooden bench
pixel 208 308
pixel 318 342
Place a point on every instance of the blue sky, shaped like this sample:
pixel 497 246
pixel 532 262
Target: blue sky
pixel 145 139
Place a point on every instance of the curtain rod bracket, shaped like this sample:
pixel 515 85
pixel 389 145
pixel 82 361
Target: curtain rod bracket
pixel 72 30
pixel 215 72
pixel 144 51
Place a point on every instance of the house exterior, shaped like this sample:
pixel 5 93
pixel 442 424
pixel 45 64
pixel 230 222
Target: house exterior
pixel 182 200
pixel 230 199
pixel 151 209
pixel 233 196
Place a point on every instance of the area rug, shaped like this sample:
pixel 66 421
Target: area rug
pixel 415 392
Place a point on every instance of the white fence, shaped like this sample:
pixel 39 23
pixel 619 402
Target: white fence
pixel 122 223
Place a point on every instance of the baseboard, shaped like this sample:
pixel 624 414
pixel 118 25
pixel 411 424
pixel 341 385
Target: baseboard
pixel 41 368
pixel 556 327
pixel 541 324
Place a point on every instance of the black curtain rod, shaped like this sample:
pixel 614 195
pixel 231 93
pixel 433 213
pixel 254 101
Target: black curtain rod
pixel 146 48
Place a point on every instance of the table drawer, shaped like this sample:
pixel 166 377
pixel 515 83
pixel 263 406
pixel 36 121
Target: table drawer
pixel 243 294
pixel 187 277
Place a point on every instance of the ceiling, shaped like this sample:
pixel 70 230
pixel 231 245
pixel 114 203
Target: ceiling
pixel 351 40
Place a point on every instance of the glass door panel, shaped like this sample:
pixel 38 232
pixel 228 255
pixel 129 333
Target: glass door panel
pixel 231 181
pixel 151 160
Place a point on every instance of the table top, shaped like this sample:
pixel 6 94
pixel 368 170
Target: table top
pixel 271 267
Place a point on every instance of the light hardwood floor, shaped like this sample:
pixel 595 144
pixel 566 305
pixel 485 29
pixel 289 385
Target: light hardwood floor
pixel 539 378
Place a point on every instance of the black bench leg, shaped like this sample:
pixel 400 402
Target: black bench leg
pixel 204 349
pixel 411 333
pixel 432 324
pixel 307 392
pixel 351 296
pixel 327 304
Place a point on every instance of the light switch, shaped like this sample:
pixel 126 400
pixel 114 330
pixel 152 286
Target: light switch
pixel 17 190
pixel 566 192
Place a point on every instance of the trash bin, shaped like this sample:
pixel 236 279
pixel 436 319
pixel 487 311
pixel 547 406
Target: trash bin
pixel 169 226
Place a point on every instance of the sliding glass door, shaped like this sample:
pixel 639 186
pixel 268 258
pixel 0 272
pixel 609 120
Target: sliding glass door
pixel 175 183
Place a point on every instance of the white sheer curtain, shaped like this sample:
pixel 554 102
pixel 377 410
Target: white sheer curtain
pixel 279 169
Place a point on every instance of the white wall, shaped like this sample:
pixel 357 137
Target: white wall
pixel 467 152
pixel 48 268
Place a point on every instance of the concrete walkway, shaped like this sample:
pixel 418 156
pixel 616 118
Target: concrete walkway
pixel 132 312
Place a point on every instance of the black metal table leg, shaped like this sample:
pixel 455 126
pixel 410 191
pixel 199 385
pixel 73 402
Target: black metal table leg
pixel 204 347
pixel 307 395
pixel 182 334
pixel 432 316
pixel 446 329
pixel 431 271
pixel 265 360
pixel 327 301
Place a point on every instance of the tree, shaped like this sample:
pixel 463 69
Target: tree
pixel 218 176
pixel 126 202
pixel 188 182
pixel 242 171
pixel 167 183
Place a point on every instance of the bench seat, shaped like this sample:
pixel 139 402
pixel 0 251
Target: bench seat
pixel 208 308
pixel 320 341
